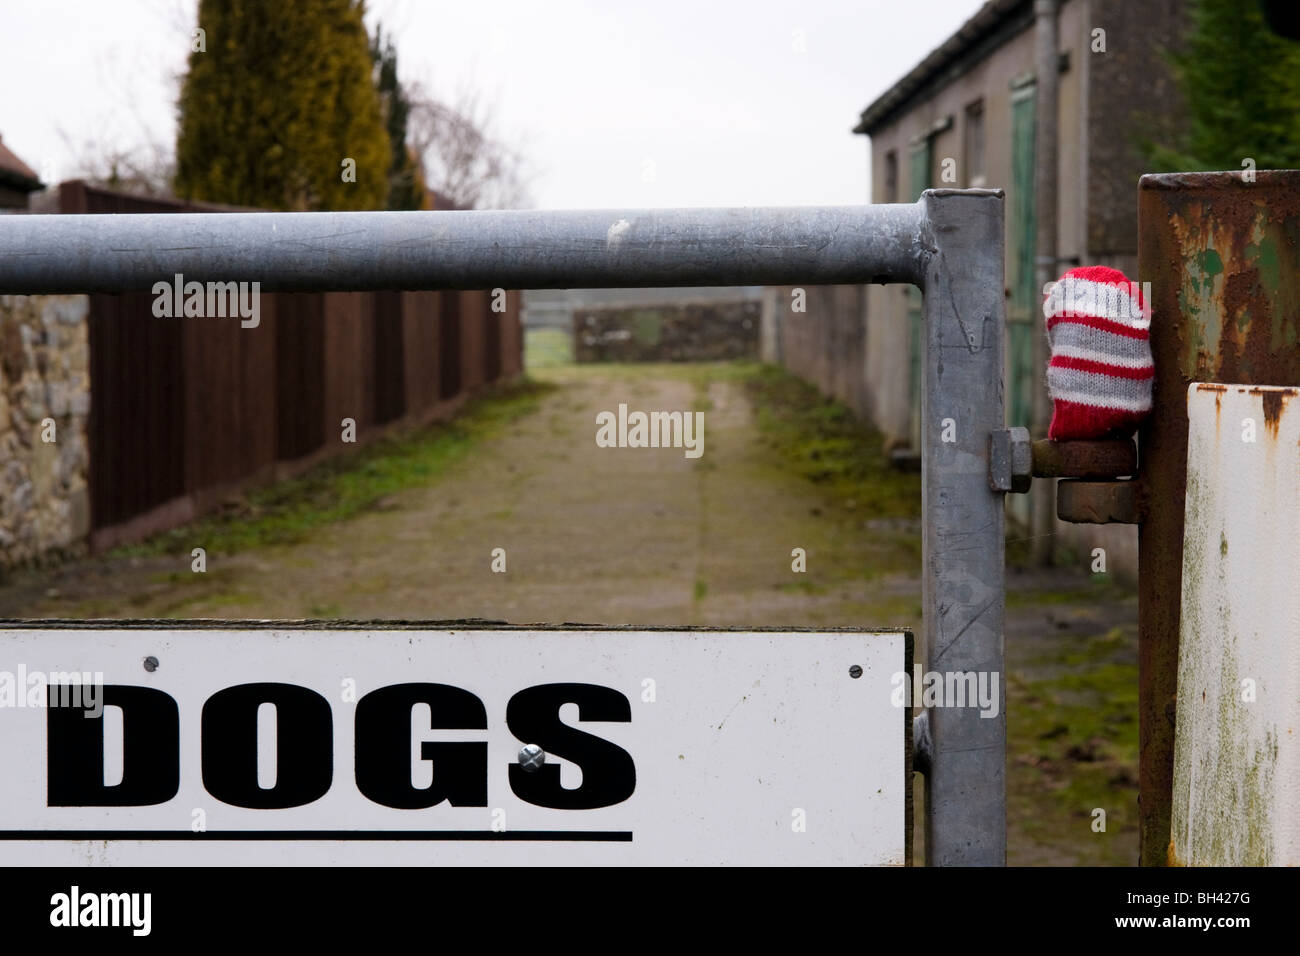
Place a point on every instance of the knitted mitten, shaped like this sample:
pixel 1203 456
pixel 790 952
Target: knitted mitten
pixel 1101 371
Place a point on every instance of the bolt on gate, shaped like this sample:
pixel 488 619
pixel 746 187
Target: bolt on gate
pixel 949 244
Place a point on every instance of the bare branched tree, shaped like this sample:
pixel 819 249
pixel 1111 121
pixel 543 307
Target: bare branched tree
pixel 137 161
pixel 464 160
pixel 143 169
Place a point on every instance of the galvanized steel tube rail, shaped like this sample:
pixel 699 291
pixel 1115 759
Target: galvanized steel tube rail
pixel 355 251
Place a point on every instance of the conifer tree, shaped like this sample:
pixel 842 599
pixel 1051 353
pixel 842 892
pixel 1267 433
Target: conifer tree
pixel 277 104
pixel 405 182
pixel 1242 85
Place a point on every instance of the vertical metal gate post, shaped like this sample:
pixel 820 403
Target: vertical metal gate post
pixel 963 573
pixel 950 244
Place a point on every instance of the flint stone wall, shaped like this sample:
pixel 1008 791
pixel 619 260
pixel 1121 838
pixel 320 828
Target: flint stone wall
pixel 676 332
pixel 44 375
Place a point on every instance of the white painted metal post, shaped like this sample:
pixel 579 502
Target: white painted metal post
pixel 1236 797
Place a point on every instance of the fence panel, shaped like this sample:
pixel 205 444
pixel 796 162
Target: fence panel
pixel 512 337
pixel 183 409
pixel 389 363
pixel 449 355
pixel 492 344
pixel 229 429
pixel 136 423
pixel 299 374
pixel 349 363
pixel 474 310
pixel 420 330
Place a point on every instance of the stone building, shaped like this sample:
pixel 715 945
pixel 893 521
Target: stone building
pixel 964 117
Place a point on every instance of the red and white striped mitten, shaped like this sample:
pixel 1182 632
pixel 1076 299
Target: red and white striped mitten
pixel 1101 371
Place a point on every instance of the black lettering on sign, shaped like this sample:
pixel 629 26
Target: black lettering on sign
pixel 151 751
pixel 608 773
pixel 304 746
pixel 383 747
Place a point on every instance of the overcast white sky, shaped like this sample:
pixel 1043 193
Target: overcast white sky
pixel 617 103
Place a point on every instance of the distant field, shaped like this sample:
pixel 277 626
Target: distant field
pixel 547 348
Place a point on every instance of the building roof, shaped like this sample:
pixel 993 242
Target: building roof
pixel 14 172
pixel 993 24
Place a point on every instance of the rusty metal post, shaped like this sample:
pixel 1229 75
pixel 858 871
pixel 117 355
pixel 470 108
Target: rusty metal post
pixel 1223 258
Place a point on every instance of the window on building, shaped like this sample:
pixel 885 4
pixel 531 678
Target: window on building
pixel 891 176
pixel 974 144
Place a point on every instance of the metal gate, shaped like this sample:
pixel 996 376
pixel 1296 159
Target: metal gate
pixel 949 244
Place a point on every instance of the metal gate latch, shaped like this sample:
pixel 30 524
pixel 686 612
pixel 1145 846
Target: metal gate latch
pixel 1014 461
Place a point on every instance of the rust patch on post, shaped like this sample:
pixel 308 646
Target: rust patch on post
pixel 1274 401
pixel 1223 259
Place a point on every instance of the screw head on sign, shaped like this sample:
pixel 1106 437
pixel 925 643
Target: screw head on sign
pixel 151 664
pixel 855 671
pixel 531 757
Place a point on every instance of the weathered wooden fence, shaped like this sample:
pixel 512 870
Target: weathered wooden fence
pixel 185 410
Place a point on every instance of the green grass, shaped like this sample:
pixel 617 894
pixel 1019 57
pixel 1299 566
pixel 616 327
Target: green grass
pixel 820 439
pixel 816 437
pixel 547 348
pixel 803 587
pixel 698 374
pixel 1072 739
pixel 1097 589
pixel 349 484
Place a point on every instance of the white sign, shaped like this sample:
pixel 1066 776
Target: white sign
pixel 1236 746
pixel 167 745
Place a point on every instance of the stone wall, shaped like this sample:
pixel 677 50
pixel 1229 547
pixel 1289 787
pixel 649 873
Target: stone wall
pixel 674 332
pixel 44 381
